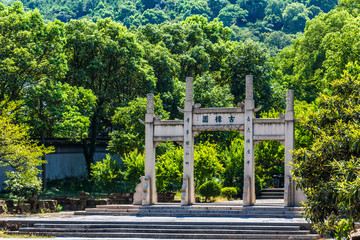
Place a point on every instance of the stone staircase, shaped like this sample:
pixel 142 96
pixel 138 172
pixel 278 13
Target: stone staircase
pixel 198 210
pixel 271 193
pixel 189 229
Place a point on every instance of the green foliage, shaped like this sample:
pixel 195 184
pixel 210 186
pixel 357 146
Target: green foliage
pixel 207 164
pixel 54 109
pixel 295 16
pixel 328 169
pixel 30 49
pixel 20 155
pixel 129 133
pixel 169 169
pixel 107 59
pixel 233 158
pixel 133 167
pixel 229 192
pixel 106 173
pixel 210 189
pixel 319 57
pixel 269 161
pixel 233 175
pixel 169 166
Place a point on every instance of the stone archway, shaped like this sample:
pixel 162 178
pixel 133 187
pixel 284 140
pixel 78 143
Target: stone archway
pixel 197 119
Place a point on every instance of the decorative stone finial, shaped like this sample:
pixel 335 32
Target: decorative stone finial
pixel 189 89
pixel 150 103
pixel 290 100
pixel 249 87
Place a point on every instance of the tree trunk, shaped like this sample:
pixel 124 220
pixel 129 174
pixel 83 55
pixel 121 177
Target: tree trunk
pixel 43 166
pixel 89 145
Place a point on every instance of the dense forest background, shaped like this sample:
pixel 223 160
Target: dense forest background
pixel 273 22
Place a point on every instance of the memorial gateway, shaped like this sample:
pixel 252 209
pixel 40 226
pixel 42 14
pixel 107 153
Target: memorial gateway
pixel 197 119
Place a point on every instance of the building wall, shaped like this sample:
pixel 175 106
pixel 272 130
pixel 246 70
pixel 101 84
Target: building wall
pixel 66 161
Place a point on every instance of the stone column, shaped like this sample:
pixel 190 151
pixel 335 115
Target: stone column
pixel 150 149
pixel 249 197
pixel 289 190
pixel 188 168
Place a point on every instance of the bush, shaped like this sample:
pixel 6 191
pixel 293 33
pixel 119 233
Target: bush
pixel 228 192
pixel 210 189
pixel 106 173
pixel 258 185
pixel 133 167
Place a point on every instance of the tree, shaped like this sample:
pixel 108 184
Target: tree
pixel 169 169
pixel 207 163
pixel 20 155
pixel 53 109
pixel 328 170
pixel 128 132
pixel 248 58
pixel 325 6
pixel 232 14
pixel 30 50
pixel 295 16
pixel 256 9
pixel 154 16
pixel 210 94
pixel 106 173
pixel 133 167
pixel 302 64
pixel 277 41
pixel 107 59
pixel 216 6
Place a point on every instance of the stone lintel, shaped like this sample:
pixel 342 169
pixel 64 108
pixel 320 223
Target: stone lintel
pixel 218 110
pixel 219 127
pixel 269 137
pixel 169 139
pixel 269 120
pixel 169 122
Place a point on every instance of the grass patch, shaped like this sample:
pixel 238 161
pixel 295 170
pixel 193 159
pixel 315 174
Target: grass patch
pixel 4 235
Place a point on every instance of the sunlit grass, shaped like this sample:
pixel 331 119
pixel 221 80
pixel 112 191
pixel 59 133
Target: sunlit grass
pixel 4 235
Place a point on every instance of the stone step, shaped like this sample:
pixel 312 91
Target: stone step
pixel 169 226
pixel 270 197
pixel 178 235
pixel 164 230
pixel 272 190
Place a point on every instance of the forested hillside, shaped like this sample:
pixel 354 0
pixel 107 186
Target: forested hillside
pixel 274 22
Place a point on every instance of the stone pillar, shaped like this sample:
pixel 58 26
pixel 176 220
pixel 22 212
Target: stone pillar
pixel 249 197
pixel 289 190
pixel 150 150
pixel 188 168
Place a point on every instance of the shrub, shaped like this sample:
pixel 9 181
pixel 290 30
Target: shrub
pixel 106 173
pixel 133 167
pixel 210 189
pixel 229 192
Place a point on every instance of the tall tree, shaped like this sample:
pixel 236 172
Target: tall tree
pixel 30 50
pixel 328 169
pixel 107 59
